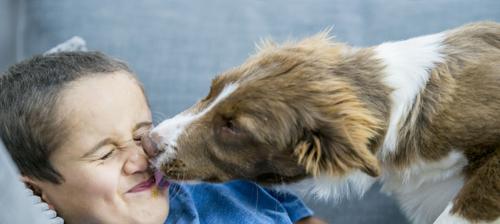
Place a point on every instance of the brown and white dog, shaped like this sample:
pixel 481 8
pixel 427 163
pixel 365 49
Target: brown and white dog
pixel 421 116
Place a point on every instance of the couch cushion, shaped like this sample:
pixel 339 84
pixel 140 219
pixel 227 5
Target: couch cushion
pixel 17 206
pixel 8 23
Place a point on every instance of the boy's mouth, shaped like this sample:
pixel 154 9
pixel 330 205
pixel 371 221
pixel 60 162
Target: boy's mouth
pixel 157 180
pixel 144 185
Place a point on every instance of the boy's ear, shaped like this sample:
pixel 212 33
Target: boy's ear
pixel 34 185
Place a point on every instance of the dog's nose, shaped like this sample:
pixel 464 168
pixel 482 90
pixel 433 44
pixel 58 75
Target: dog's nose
pixel 149 145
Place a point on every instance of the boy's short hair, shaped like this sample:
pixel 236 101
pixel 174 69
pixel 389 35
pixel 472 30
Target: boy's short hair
pixel 29 91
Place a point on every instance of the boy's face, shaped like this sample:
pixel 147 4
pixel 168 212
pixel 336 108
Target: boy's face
pixel 106 173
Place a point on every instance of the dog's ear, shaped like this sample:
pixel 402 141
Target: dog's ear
pixel 324 152
pixel 337 137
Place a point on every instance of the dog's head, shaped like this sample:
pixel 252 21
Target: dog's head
pixel 279 117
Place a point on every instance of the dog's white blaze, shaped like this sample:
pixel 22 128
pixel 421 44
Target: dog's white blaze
pixel 408 64
pixel 425 188
pixel 170 129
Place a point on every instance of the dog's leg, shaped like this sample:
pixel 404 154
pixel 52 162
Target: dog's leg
pixel 479 198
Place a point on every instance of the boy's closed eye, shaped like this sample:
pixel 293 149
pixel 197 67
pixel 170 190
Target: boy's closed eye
pixel 107 155
pixel 101 152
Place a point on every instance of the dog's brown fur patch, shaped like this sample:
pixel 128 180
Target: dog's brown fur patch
pixel 320 107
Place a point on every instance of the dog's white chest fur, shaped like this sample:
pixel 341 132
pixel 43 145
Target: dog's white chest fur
pixel 425 189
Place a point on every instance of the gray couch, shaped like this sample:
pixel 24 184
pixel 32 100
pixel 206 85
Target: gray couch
pixel 177 46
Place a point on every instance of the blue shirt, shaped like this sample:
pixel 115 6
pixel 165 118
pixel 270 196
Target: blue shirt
pixel 233 202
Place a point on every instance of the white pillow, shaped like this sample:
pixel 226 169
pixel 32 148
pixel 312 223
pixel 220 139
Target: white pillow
pixel 76 43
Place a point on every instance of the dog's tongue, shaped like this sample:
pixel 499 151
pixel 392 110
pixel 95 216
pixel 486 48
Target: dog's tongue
pixel 161 183
pixel 160 180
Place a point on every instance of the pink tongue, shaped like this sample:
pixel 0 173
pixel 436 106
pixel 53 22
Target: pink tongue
pixel 158 177
pixel 160 180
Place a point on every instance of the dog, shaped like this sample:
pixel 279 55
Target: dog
pixel 421 116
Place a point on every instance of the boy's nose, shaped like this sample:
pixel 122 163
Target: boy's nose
pixel 149 145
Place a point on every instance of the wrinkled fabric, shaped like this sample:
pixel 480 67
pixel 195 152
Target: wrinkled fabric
pixel 233 202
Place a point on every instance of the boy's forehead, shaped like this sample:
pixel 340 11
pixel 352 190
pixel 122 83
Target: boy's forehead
pixel 111 90
pixel 102 105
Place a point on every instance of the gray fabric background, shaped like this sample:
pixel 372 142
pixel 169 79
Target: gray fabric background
pixel 15 206
pixel 177 46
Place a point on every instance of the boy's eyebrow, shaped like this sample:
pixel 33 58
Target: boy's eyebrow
pixel 99 145
pixel 107 141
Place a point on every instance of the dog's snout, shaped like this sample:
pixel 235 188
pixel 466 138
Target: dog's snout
pixel 149 143
pixel 155 137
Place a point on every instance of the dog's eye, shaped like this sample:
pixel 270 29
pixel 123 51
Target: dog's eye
pixel 230 127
